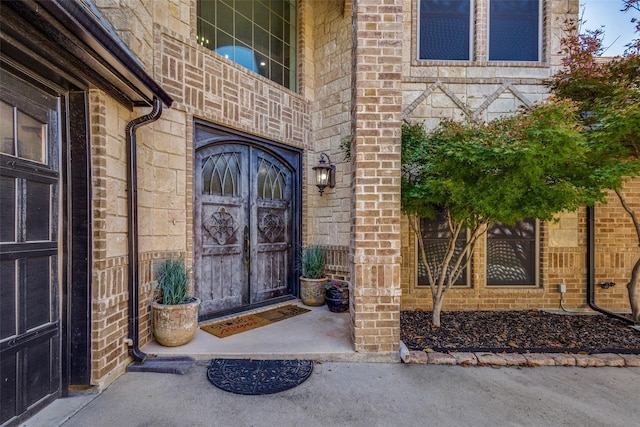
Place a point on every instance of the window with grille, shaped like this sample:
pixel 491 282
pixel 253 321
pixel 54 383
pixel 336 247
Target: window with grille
pixel 259 35
pixel 512 254
pixel 221 175
pixel 446 30
pixel 514 30
pixel 436 234
pixel 271 180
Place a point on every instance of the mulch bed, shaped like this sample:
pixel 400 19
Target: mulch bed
pixel 518 332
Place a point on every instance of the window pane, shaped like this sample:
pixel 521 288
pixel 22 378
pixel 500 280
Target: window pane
pixel 6 129
pixel 221 175
pixel 511 254
pixel 224 18
pixel 435 233
pixel 270 181
pixel 261 16
pixel 31 138
pixel 445 28
pixel 252 33
pixel 514 27
pixel 38 211
pixel 8 210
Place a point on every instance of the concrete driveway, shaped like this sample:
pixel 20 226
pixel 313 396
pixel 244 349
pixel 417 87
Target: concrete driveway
pixel 368 394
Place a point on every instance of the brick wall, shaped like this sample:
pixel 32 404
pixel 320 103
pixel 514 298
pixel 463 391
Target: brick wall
pixel 376 129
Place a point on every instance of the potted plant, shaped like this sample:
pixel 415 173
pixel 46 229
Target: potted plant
pixel 312 280
pixel 174 312
pixel 337 295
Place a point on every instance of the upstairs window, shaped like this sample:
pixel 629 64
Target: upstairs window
pixel 514 30
pixel 445 30
pixel 259 35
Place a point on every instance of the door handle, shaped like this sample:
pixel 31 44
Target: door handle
pixel 247 245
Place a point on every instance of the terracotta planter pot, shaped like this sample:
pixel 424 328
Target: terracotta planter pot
pixel 174 325
pixel 312 291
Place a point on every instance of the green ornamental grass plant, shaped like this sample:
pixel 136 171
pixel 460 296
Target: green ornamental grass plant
pixel 173 282
pixel 313 261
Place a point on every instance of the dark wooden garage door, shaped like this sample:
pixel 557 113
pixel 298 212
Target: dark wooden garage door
pixel 30 362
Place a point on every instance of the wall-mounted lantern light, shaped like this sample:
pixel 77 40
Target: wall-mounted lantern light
pixel 325 173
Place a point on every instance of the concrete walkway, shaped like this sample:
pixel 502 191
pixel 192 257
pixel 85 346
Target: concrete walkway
pixel 367 394
pixel 346 390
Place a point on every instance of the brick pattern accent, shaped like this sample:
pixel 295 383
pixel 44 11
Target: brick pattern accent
pixel 206 85
pixel 337 265
pixel 376 109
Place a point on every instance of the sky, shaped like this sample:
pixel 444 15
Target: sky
pixel 617 24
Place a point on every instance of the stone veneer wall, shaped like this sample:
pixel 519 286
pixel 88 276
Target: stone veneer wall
pixel 376 130
pixel 331 120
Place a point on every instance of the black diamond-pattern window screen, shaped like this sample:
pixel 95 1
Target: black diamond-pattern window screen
pixel 511 254
pixel 221 175
pixel 436 234
pixel 270 181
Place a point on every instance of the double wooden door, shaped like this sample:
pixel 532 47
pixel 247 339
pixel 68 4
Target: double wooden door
pixel 244 197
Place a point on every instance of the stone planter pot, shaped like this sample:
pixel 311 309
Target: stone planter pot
pixel 174 325
pixel 312 291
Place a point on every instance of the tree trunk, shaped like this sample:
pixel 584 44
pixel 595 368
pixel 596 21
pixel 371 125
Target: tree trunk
pixel 634 300
pixel 633 287
pixel 437 309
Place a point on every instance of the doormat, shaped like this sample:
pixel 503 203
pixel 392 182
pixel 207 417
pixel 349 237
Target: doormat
pixel 249 376
pixel 225 328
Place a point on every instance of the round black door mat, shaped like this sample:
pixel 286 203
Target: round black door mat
pixel 248 376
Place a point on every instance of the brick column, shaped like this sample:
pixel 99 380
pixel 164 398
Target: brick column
pixel 376 131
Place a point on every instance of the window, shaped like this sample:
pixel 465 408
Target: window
pixel 271 181
pixel 512 254
pixel 260 35
pixel 445 30
pixel 514 30
pixel 435 234
pixel 221 175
